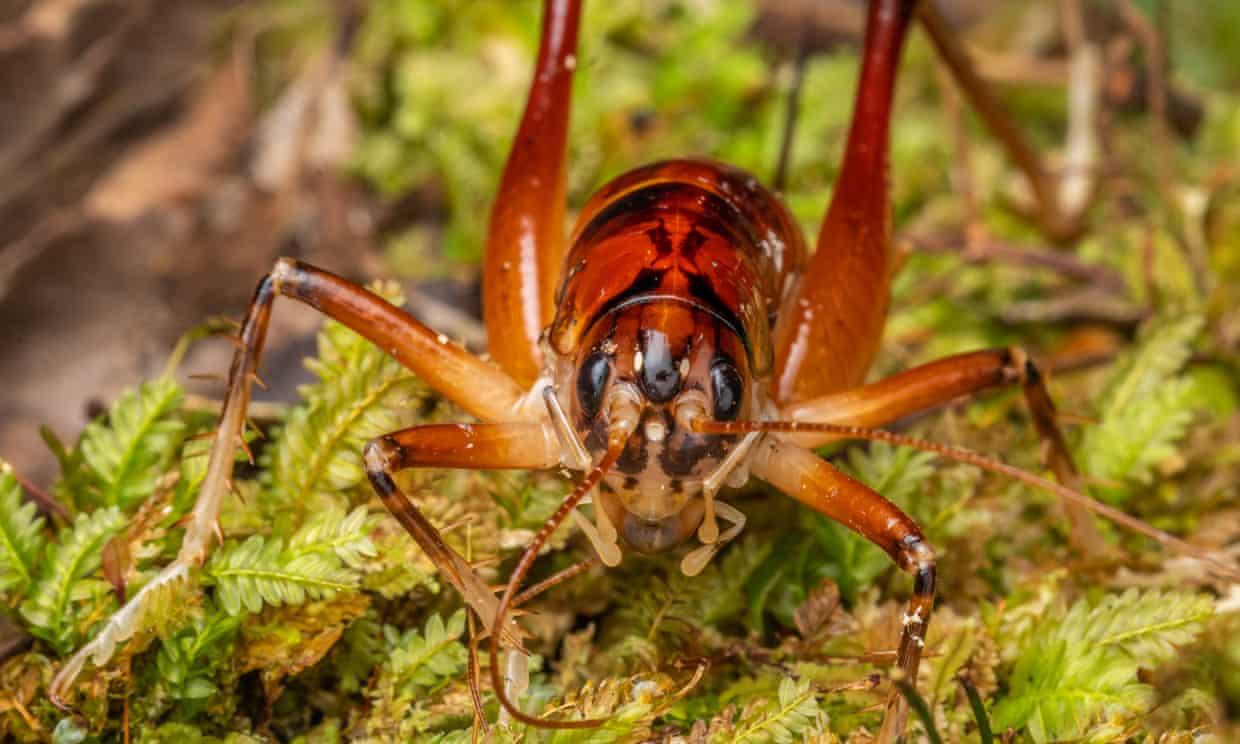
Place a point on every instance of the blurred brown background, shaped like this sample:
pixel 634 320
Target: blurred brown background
pixel 150 174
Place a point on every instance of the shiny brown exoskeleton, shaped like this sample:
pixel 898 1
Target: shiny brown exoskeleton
pixel 681 343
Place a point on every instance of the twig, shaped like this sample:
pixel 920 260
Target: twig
pixel 1153 47
pixel 997 118
pixel 990 249
pixel 1078 178
pixel 46 502
pixel 793 107
pixel 1156 60
pixel 1083 303
pixel 72 86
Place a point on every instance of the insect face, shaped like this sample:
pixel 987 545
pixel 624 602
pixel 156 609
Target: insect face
pixel 658 364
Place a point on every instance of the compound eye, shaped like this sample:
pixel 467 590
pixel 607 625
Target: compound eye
pixel 729 389
pixel 592 382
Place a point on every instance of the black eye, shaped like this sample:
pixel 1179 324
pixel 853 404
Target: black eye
pixel 729 389
pixel 591 382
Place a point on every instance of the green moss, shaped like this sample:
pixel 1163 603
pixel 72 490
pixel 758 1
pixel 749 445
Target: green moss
pixel 318 620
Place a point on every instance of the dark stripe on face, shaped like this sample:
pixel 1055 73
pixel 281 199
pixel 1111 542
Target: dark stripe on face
pixel 632 460
pixel 683 452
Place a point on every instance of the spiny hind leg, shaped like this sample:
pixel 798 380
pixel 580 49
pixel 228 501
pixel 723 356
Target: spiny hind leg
pixel 476 386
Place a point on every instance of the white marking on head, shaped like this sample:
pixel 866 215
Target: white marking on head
pixel 637 361
pixel 655 430
pixel 684 367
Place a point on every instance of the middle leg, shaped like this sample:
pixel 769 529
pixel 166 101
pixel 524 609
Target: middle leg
pixel 942 381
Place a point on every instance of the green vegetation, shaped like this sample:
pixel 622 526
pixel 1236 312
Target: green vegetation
pixel 319 620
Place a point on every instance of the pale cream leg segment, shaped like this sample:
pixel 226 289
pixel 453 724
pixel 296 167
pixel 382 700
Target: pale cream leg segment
pixel 696 560
pixel 708 533
pixel 602 533
pixel 564 430
pixel 604 543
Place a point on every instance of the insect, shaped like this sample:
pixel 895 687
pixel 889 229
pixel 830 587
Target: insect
pixel 684 338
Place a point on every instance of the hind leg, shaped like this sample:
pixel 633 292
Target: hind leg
pixel 475 385
pixel 525 242
pixel 830 326
pixel 804 476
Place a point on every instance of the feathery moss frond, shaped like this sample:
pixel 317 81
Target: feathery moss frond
pixel 783 720
pixel 261 570
pixel 1145 408
pixel 1163 348
pixel 21 537
pixel 124 453
pixel 421 659
pixel 1082 668
pixel 52 610
pixel 333 532
pixel 1147 626
pixel 1060 689
pixel 669 611
pixel 627 706
pixel 187 662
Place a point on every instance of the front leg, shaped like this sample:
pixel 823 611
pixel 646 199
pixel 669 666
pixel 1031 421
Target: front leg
pixel 471 383
pixel 814 482
pixel 519 446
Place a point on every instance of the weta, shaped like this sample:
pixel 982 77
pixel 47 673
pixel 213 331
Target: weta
pixel 683 338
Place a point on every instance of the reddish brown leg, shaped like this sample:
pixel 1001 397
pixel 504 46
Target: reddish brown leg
pixel 833 322
pixel 829 328
pixel 939 382
pixel 525 243
pixel 814 482
pixel 473 384
pixel 524 446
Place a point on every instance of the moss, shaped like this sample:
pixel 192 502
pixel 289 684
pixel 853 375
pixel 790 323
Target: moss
pixel 318 620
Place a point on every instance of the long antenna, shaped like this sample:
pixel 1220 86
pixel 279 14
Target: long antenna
pixel 977 459
pixel 619 439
